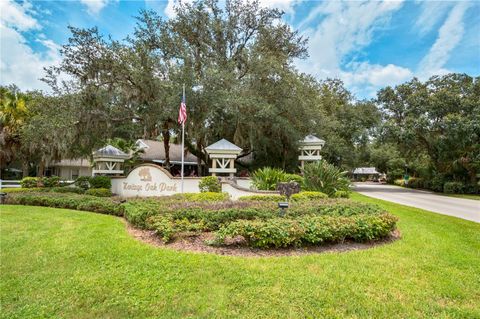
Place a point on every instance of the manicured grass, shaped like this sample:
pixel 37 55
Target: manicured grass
pixel 70 264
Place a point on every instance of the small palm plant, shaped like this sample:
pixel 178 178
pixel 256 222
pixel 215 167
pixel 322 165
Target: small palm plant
pixel 326 178
pixel 267 178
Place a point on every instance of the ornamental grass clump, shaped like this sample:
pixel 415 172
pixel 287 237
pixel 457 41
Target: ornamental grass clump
pixel 267 178
pixel 324 177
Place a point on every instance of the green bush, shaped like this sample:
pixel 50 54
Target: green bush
pixel 416 182
pixel 137 211
pixel 23 190
pixel 30 182
pixel 341 194
pixel 309 230
pixel 171 217
pixel 472 188
pixel 83 182
pixel 293 178
pixel 267 178
pixel 437 183
pixel 100 182
pixel 99 192
pixel 331 207
pixel 265 198
pixel 399 182
pixel 202 197
pixel 453 188
pixel 70 201
pixel 68 189
pixel 53 181
pixel 210 184
pixel 326 178
pixel 307 196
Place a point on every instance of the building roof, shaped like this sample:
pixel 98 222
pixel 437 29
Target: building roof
pixel 365 171
pixel 81 162
pixel 312 139
pixel 110 151
pixel 155 151
pixel 223 145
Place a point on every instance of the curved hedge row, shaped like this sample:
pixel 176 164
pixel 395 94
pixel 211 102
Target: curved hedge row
pixel 64 200
pixel 260 223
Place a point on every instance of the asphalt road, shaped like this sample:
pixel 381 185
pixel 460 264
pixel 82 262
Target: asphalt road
pixel 468 209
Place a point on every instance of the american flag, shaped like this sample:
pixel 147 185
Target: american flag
pixel 182 113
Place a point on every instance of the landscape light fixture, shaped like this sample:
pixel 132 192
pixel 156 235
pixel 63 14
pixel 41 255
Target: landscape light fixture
pixel 282 206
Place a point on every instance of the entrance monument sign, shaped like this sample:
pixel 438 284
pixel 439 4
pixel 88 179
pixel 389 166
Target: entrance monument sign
pixel 146 180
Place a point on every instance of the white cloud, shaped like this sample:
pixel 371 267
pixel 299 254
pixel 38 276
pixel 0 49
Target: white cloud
pixel 19 64
pixel 431 13
pixel 170 8
pixel 94 6
pixel 449 35
pixel 285 5
pixel 344 30
pixel 377 75
pixel 15 15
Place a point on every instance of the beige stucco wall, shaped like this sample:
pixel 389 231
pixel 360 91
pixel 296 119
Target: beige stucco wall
pixel 151 180
pixel 244 182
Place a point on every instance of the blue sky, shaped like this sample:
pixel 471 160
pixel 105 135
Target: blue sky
pixel 367 44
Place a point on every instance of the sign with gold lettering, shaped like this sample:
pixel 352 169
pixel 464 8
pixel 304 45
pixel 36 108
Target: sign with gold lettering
pixel 150 180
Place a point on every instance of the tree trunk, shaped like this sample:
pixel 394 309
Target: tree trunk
pixel 41 169
pixel 199 158
pixel 25 168
pixel 166 145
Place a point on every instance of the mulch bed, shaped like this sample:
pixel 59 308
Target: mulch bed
pixel 197 244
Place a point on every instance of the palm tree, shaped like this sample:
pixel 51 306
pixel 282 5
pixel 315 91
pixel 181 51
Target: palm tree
pixel 13 115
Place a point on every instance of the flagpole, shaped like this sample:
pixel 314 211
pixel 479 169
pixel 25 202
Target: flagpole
pixel 183 139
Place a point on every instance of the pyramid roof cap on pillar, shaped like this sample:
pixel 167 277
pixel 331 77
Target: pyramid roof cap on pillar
pixel 110 151
pixel 312 140
pixel 223 147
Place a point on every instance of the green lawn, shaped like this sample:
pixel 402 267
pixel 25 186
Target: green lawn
pixel 70 264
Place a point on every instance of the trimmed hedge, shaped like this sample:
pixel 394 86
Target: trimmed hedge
pixel 24 190
pixel 258 222
pixel 263 198
pixel 99 192
pixel 29 182
pixel 70 201
pixel 68 189
pixel 100 182
pixel 306 196
pixel 310 230
pixel 210 184
pixel 34 182
pixel 52 181
pixel 83 182
pixel 202 197
pixel 341 194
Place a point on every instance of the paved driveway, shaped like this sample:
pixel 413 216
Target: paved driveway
pixel 468 209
